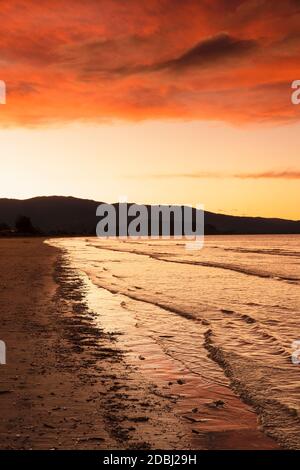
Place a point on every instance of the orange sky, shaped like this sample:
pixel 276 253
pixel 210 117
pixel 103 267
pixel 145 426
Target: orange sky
pixel 162 100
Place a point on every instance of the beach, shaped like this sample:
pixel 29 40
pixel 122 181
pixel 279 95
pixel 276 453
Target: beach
pixel 65 384
pixel 94 363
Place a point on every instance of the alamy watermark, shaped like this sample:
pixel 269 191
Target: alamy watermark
pixel 2 92
pixel 2 352
pixel 137 221
pixel 296 352
pixel 295 98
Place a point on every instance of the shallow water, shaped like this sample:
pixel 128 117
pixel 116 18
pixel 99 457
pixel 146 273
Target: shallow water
pixel 223 316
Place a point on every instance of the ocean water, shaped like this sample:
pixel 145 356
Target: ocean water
pixel 227 315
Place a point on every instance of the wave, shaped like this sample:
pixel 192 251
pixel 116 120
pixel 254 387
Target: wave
pixel 262 251
pixel 161 305
pixel 208 264
pixel 279 420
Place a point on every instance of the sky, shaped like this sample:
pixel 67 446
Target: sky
pixel 162 101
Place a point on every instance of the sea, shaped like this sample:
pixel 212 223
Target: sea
pixel 225 317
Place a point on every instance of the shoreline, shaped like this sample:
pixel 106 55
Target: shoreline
pixel 67 383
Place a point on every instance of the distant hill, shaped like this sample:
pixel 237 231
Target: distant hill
pixel 69 215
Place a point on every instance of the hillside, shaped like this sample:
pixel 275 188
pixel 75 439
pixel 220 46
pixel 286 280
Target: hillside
pixel 69 215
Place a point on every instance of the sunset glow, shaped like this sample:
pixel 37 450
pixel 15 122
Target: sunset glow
pixel 164 101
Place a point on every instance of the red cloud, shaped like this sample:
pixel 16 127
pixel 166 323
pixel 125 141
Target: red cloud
pixel 110 59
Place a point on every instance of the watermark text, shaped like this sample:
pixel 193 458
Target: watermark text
pixel 137 221
pixel 295 98
pixel 2 92
pixel 2 352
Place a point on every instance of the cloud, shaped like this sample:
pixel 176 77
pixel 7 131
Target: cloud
pixel 284 174
pixel 107 58
pixel 287 175
pixel 216 48
pixel 231 61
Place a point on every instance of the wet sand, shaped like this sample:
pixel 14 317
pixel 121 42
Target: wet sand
pixel 69 383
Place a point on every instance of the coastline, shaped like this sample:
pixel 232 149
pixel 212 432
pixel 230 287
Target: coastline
pixel 67 383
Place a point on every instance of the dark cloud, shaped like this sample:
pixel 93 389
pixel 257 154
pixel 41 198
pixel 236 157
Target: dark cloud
pixel 217 48
pixel 109 58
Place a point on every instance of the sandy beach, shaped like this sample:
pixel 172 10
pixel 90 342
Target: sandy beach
pixel 68 384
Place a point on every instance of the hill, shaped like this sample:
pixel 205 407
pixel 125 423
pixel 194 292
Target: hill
pixel 69 215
